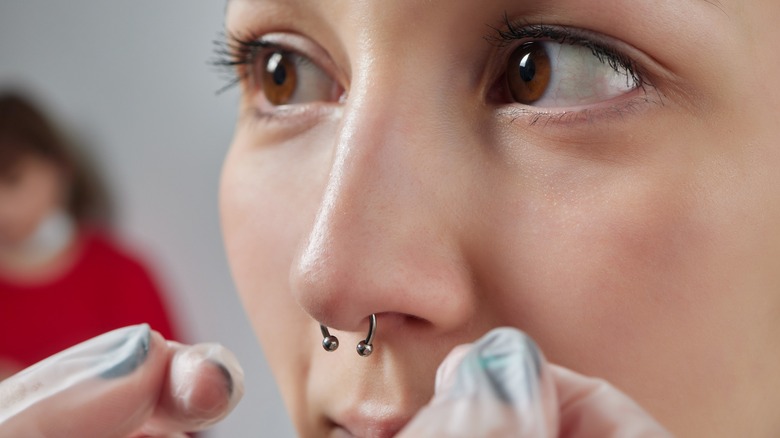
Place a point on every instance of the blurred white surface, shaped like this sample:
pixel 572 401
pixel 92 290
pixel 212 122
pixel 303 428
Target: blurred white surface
pixel 131 79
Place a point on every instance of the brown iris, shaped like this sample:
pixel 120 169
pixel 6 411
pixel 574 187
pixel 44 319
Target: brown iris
pixel 280 78
pixel 528 73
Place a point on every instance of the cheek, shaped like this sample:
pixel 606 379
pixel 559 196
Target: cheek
pixel 631 266
pixel 648 277
pixel 609 269
pixel 597 263
pixel 267 203
pixel 260 237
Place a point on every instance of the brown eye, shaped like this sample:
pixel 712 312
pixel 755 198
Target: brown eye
pixel 528 73
pixel 280 78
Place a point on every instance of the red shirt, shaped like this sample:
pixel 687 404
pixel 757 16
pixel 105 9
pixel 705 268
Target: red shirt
pixel 105 289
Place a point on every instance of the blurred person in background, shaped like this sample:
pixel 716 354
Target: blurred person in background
pixel 63 278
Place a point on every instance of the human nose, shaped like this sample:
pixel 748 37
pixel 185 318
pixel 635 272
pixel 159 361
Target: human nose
pixel 385 238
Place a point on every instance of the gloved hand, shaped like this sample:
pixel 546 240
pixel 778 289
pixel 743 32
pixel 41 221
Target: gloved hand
pixel 501 386
pixel 126 383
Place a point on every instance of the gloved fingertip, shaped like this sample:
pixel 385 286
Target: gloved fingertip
pixel 505 364
pixel 497 386
pixel 512 363
pixel 228 369
pixel 130 352
pixel 446 374
pixel 204 383
pixel 209 394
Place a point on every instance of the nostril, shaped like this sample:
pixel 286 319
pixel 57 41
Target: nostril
pixel 391 321
pixel 331 306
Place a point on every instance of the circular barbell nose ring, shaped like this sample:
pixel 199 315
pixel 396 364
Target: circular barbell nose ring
pixel 364 347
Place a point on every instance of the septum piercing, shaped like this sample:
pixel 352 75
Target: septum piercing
pixel 364 347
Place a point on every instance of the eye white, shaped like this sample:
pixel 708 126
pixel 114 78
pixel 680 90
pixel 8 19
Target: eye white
pixel 578 77
pixel 314 85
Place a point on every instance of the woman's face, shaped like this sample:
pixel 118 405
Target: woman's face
pixel 30 190
pixel 600 174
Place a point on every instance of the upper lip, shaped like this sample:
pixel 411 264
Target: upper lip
pixel 372 421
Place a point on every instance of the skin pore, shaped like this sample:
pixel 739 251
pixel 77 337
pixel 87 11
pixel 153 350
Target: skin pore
pixel 635 238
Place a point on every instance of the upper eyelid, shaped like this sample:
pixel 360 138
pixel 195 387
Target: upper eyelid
pixel 518 31
pixel 298 45
pixel 512 30
pixel 507 32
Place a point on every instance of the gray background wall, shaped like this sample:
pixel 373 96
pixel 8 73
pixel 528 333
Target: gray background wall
pixel 130 79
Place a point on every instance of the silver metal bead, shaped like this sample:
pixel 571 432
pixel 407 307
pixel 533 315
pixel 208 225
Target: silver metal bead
pixel 330 343
pixel 364 349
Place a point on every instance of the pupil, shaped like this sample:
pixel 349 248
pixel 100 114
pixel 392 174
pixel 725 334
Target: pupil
pixel 527 68
pixel 280 74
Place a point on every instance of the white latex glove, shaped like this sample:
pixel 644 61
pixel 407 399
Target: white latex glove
pixel 126 383
pixel 501 386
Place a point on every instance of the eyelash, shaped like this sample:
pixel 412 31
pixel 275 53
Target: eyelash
pixel 234 53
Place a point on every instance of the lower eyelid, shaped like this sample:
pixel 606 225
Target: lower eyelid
pixel 295 114
pixel 620 109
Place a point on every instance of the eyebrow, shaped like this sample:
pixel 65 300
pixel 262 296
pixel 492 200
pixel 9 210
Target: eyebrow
pixel 716 3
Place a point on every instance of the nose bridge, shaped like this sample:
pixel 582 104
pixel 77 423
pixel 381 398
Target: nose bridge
pixel 379 242
pixel 381 153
